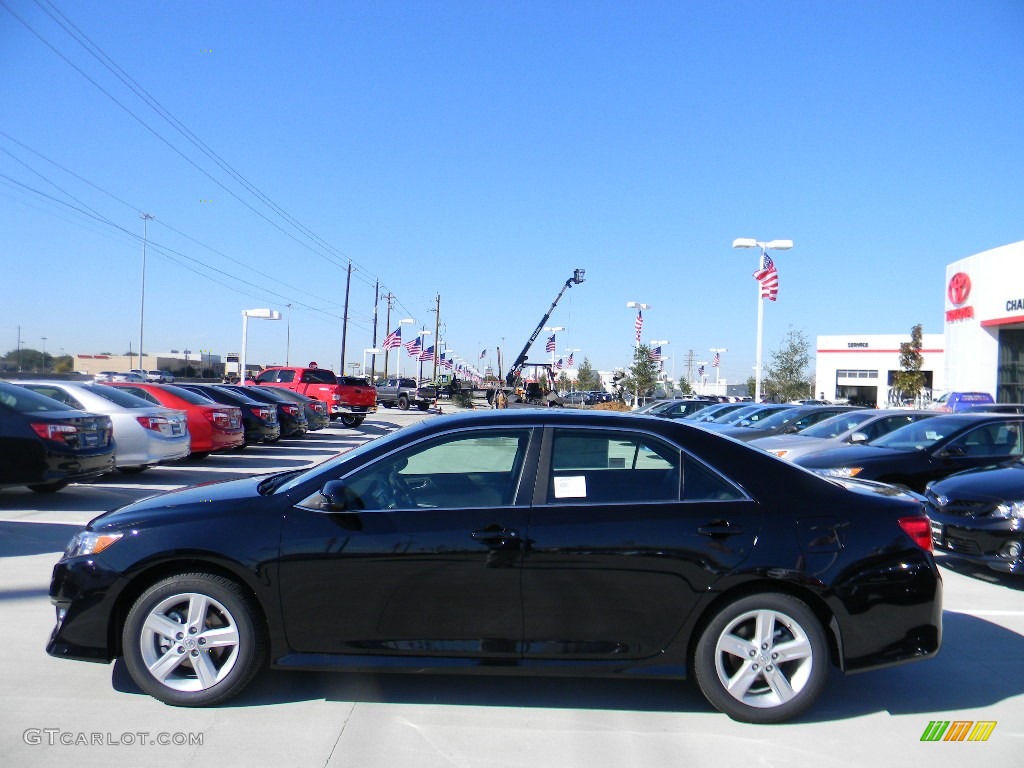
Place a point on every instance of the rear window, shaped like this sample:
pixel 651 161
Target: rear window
pixel 116 396
pixel 318 376
pixel 188 396
pixel 26 401
pixel 352 381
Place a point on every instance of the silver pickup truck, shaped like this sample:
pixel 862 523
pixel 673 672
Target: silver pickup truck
pixel 401 392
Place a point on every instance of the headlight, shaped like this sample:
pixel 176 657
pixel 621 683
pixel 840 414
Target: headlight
pixel 840 471
pixel 1010 510
pixel 90 543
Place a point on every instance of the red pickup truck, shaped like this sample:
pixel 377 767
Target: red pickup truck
pixel 347 398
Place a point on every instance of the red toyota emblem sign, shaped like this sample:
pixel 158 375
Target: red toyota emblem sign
pixel 959 288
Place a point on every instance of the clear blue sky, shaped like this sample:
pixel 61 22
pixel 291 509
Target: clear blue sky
pixel 483 150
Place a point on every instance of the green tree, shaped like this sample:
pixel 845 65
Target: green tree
pixel 564 382
pixel 643 373
pixel 786 376
pixel 63 364
pixel 684 386
pixel 909 380
pixel 587 379
pixel 751 386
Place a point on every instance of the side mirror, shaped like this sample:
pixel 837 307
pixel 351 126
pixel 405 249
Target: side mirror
pixel 334 494
pixel 790 430
pixel 858 437
pixel 953 452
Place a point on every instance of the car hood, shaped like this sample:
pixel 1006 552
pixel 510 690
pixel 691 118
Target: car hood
pixel 851 454
pixel 997 483
pixel 197 501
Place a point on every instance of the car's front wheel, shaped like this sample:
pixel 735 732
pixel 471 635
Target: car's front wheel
pixel 194 640
pixel 762 659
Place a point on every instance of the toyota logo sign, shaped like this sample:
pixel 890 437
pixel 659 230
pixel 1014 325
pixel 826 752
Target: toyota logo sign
pixel 959 288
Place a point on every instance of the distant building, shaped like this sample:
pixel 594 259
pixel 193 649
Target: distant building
pixel 861 369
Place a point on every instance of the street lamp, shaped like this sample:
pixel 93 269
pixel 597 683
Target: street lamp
pixel 553 329
pixel 406 321
pixel 716 363
pixel 258 314
pixel 288 338
pixel 423 348
pixel 660 343
pixel 770 245
pixel 146 218
pixel 44 351
pixel 369 351
pixel 639 324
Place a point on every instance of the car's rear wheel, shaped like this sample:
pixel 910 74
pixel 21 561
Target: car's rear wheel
pixel 48 487
pixel 198 455
pixel 762 659
pixel 193 640
pixel 423 406
pixel 386 403
pixel 403 403
pixel 352 421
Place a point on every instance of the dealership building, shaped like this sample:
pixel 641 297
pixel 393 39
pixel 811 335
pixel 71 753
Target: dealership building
pixel 980 350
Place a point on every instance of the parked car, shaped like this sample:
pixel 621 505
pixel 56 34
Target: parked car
pixel 146 434
pixel 160 377
pixel 678 409
pixel 649 546
pixel 315 410
pixel 258 418
pixel 117 376
pixel 348 398
pixel 401 392
pixel 212 427
pixel 978 516
pixel 45 445
pixel 290 415
pixel 713 412
pixel 788 421
pixel 994 408
pixel 749 414
pixel 955 402
pixel 856 426
pixel 914 455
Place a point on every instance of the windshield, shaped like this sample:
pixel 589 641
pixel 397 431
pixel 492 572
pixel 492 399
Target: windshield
pixel 778 418
pixel 26 401
pixel 837 425
pixel 734 416
pixel 922 434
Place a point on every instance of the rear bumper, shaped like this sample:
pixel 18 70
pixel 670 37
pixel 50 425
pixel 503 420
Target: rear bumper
pixel 354 410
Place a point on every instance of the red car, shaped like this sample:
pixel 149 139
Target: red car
pixel 214 427
pixel 347 398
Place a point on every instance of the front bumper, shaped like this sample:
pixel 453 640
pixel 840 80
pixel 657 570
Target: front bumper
pixel 84 593
pixel 997 544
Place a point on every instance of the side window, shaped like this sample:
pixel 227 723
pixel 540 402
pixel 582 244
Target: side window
pixel 703 484
pixel 267 377
pixel 998 439
pixel 60 396
pixel 475 470
pixel 285 377
pixel 140 393
pixel 602 467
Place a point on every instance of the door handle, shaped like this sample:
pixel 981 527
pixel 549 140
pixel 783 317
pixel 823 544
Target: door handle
pixel 720 528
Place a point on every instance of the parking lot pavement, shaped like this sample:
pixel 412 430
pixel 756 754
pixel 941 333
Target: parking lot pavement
pixel 391 721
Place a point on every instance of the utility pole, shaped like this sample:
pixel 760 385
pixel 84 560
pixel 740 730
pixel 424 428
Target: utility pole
pixel 689 367
pixel 390 297
pixel 437 340
pixel 19 349
pixel 146 218
pixel 288 339
pixel 344 320
pixel 373 357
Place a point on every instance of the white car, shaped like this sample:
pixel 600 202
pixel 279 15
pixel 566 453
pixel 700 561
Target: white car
pixel 145 434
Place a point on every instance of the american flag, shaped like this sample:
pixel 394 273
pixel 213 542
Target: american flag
pixel 446 361
pixel 550 346
pixel 483 354
pixel 413 347
pixel 394 339
pixel 700 371
pixel 570 360
pixel 768 277
pixel 656 354
pixel 428 353
pixel 558 365
pixel 716 360
pixel 639 324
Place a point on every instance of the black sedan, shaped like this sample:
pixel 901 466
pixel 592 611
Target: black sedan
pixel 259 418
pixel 914 455
pixel 45 445
pixel 317 416
pixel 978 516
pixel 291 416
pixel 531 541
pixel 787 421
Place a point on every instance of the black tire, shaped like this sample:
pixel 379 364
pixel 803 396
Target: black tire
pixel 198 455
pixel 48 487
pixel 776 691
pixel 229 667
pixel 403 403
pixel 386 403
pixel 132 470
pixel 351 421
pixel 423 406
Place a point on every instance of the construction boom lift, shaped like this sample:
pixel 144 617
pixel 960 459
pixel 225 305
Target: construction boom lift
pixel 516 368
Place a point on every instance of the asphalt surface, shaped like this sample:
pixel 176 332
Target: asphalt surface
pixel 85 714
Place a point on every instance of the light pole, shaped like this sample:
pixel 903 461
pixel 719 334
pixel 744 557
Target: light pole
pixel 639 324
pixel 770 245
pixel 423 348
pixel 44 351
pixel 703 373
pixel 553 329
pixel 369 351
pixel 716 363
pixel 661 359
pixel 398 355
pixel 288 338
pixel 259 314
pixel 146 218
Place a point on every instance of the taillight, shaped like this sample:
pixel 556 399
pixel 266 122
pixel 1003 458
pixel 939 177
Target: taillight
pixel 291 409
pixel 58 432
pixel 319 407
pixel 219 419
pixel 919 529
pixel 155 423
pixel 261 412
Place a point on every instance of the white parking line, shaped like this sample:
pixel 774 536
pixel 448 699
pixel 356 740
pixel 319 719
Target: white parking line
pixel 983 613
